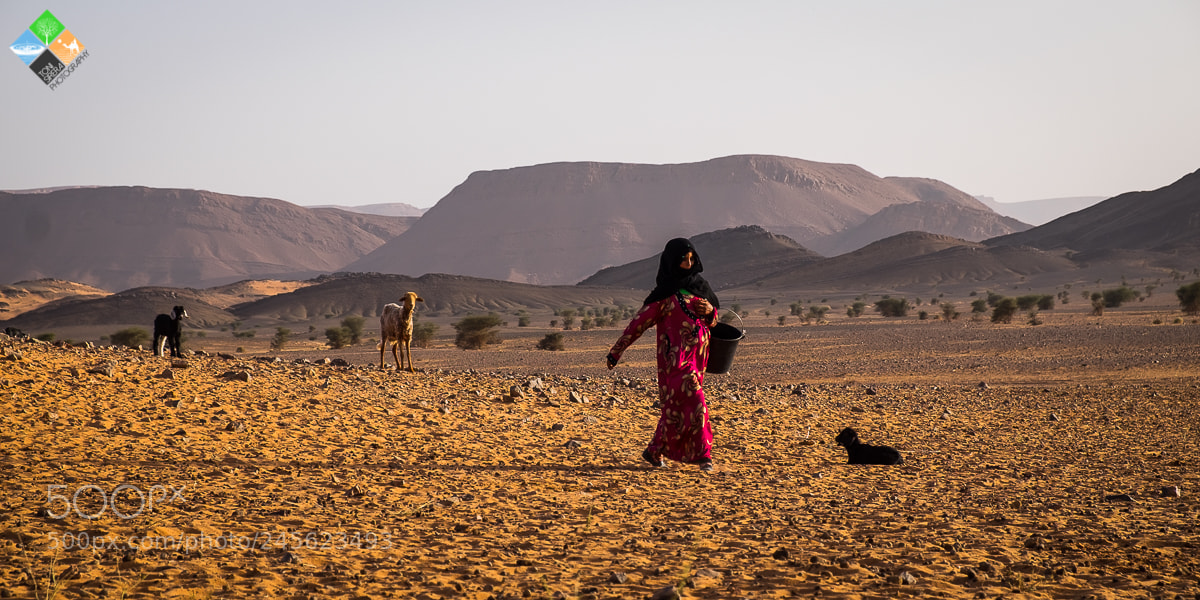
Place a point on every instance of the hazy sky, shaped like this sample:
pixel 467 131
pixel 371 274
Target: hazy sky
pixel 367 102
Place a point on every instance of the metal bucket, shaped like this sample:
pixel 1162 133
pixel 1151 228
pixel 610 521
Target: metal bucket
pixel 722 343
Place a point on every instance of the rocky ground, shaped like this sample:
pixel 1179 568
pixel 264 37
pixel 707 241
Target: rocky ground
pixel 1056 461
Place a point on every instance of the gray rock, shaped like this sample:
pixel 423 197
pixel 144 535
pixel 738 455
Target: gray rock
pixel 667 593
pixel 572 444
pixel 618 577
pixel 516 392
pixel 1170 492
pixel 236 426
pixel 576 397
pixel 906 578
pixel 1119 498
pixel 105 369
pixel 557 427
pixel 166 374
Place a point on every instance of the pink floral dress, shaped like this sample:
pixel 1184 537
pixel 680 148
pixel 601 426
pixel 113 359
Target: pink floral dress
pixel 683 433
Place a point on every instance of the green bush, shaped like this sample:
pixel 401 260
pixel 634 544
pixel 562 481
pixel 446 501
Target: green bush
pixel 338 337
pixel 45 337
pixel 281 338
pixel 857 309
pixel 948 311
pixel 552 341
pixel 476 331
pixel 354 325
pixel 1116 297
pixel 568 318
pixel 131 337
pixel 1004 310
pixel 1189 298
pixel 892 307
pixel 423 334
pixel 979 306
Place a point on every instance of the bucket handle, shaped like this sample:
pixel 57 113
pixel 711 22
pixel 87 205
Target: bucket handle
pixel 741 325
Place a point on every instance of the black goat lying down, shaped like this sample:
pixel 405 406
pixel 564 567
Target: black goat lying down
pixel 866 454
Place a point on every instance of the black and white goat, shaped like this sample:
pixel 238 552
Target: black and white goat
pixel 168 330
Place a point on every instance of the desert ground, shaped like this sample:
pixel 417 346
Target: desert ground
pixel 1049 461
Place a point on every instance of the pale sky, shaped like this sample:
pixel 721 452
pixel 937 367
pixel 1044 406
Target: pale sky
pixel 394 101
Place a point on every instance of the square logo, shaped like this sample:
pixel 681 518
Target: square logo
pixel 49 49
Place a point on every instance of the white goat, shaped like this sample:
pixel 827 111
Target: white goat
pixel 396 327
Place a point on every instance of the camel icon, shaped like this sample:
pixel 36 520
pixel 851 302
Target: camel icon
pixel 73 46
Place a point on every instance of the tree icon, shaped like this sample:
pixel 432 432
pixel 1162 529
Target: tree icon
pixel 47 27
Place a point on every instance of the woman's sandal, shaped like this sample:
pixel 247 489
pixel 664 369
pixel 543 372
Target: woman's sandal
pixel 705 465
pixel 657 462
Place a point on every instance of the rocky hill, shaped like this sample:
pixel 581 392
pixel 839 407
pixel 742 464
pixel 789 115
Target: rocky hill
pixel 1165 221
pixel 120 237
pixel 559 223
pixel 731 257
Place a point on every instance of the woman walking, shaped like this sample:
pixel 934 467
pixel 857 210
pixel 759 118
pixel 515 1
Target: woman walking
pixel 683 307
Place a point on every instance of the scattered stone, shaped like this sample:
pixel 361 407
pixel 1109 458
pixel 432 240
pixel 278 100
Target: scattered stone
pixel 535 384
pixel 105 369
pixel 515 392
pixel 872 391
pixel 983 385
pixel 906 578
pixel 1119 498
pixel 708 573
pixel 236 426
pixel 338 362
pixel 618 577
pixel 1053 417
pixel 590 420
pixel 179 364
pixel 667 593
pixel 181 432
pixel 576 397
pixel 166 374
pixel 573 444
pixel 1035 542
pixel 226 356
pixel 781 554
pixel 445 410
pixel 1170 491
pixel 557 427
pixel 236 375
pixel 288 557
pixel 50 417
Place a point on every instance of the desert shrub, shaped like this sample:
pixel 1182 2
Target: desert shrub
pixel 923 315
pixel 249 333
pixel 856 310
pixel 796 308
pixel 45 337
pixel 1117 296
pixel 1004 310
pixel 948 311
pixel 338 337
pixel 1045 302
pixel 816 313
pixel 552 341
pixel 131 337
pixel 892 307
pixel 1034 319
pixel 568 318
pixel 1189 298
pixel 585 323
pixel 1029 301
pixel 782 319
pixel 354 324
pixel 423 333
pixel 1097 304
pixel 281 338
pixel 993 299
pixel 477 331
pixel 522 320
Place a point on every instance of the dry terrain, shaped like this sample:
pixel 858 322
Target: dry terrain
pixel 1050 461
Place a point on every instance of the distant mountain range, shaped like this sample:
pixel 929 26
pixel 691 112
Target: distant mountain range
pixel 559 223
pixel 1040 212
pixel 121 237
pixel 387 209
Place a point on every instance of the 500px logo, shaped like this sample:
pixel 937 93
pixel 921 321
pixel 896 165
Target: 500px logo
pixel 120 500
pixel 50 50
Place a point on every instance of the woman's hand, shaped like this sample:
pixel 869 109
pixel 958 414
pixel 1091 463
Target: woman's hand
pixel 703 307
pixel 612 361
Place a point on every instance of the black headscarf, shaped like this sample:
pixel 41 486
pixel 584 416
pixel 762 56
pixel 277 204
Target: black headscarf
pixel 671 278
